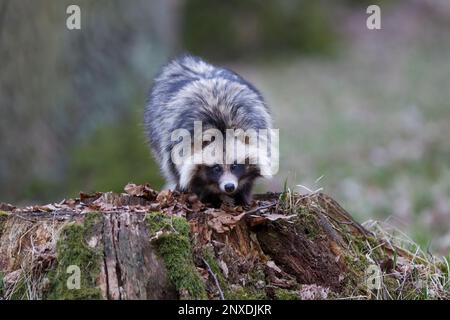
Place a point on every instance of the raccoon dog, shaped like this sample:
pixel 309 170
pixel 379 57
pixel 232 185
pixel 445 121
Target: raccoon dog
pixel 189 91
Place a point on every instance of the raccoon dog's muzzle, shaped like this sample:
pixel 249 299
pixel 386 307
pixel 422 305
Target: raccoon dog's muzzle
pixel 228 183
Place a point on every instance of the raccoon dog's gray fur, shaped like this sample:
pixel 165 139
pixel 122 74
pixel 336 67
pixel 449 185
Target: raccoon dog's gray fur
pixel 189 89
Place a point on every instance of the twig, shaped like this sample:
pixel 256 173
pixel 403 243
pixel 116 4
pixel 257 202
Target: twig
pixel 23 218
pixel 215 279
pixel 260 208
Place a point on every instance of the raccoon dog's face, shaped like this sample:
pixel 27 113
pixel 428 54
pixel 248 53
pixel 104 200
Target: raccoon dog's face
pixel 229 179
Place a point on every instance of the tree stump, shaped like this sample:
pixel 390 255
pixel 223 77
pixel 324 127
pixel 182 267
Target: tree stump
pixel 147 245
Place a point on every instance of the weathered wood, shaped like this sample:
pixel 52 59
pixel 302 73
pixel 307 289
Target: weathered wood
pixel 130 267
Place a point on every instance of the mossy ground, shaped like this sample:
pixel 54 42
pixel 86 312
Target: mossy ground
pixel 20 291
pixel 174 247
pixel 72 249
pixel 367 252
pixel 284 294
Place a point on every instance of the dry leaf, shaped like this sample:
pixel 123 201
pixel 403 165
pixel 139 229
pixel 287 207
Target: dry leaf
pixel 88 198
pixel 165 197
pixel 142 190
pixel 222 221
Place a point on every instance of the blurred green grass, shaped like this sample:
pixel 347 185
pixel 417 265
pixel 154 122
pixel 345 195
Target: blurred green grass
pixel 235 29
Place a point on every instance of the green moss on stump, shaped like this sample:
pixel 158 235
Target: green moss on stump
pixel 72 249
pixel 245 293
pixel 158 221
pixel 210 258
pixel 91 219
pixel 175 249
pixel 284 294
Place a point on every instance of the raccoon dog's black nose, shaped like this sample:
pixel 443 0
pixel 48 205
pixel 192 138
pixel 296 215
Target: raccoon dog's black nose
pixel 229 187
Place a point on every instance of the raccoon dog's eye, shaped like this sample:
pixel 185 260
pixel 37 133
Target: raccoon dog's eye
pixel 216 169
pixel 236 167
